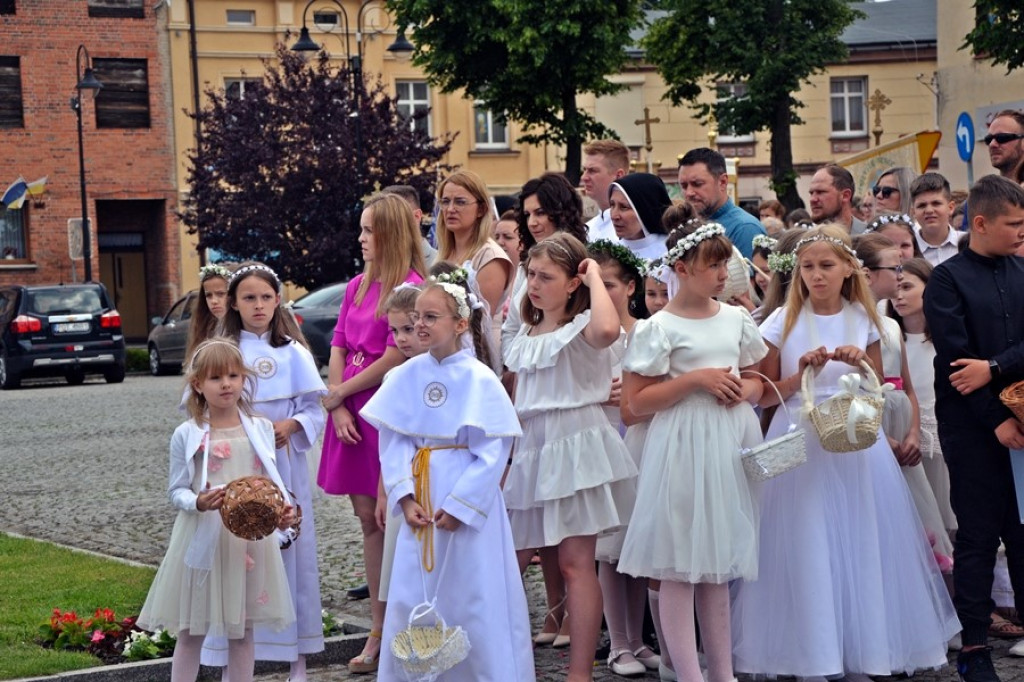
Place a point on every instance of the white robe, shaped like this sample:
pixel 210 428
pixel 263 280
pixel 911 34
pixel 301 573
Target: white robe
pixel 288 385
pixel 457 401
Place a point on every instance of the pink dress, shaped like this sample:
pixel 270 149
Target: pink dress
pixel 355 469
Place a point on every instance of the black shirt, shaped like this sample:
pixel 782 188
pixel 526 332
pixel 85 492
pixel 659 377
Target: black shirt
pixel 975 309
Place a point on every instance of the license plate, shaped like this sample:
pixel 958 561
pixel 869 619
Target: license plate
pixel 70 327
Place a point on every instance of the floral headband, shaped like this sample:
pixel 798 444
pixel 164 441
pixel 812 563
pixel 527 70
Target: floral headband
pixel 248 269
pixel 883 220
pixel 208 271
pixel 453 284
pixel 691 241
pixel 620 254
pixel 763 241
pixel 781 262
pixel 831 240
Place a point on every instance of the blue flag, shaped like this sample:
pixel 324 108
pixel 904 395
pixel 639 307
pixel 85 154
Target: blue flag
pixel 14 197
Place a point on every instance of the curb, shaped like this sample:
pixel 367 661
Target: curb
pixel 337 650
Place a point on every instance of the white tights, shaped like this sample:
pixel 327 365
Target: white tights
pixel 712 606
pixel 185 662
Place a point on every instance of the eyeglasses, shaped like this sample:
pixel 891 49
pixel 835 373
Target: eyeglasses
pixel 898 269
pixel 886 192
pixel 428 319
pixel 459 203
pixel 1002 138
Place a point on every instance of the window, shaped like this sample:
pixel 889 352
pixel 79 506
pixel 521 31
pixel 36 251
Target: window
pixel 124 100
pixel 849 114
pixel 13 236
pixel 325 20
pixel 118 9
pixel 11 114
pixel 490 133
pixel 241 17
pixel 7 7
pixel 726 92
pixel 236 88
pixel 413 99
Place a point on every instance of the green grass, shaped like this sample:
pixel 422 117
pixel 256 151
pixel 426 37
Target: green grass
pixel 35 578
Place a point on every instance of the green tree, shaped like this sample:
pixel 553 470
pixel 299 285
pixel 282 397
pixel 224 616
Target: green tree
pixel 280 175
pixel 998 32
pixel 772 46
pixel 527 60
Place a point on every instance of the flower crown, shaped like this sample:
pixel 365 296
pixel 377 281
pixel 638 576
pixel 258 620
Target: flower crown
pixel 454 283
pixel 831 240
pixel 883 220
pixel 781 262
pixel 763 241
pixel 208 271
pixel 248 269
pixel 691 241
pixel 622 255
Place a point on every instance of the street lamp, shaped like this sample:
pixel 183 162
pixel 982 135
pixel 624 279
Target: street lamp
pixel 86 82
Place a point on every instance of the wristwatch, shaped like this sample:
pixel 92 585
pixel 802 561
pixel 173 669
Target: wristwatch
pixel 993 367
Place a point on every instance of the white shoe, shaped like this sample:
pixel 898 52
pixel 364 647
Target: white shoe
pixel 955 643
pixel 666 673
pixel 1017 649
pixel 625 668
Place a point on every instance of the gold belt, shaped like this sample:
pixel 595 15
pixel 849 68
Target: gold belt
pixel 421 478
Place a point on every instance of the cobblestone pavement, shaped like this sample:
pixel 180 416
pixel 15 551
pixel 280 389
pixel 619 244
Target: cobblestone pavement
pixel 86 466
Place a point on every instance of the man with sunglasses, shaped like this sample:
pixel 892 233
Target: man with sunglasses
pixel 1005 142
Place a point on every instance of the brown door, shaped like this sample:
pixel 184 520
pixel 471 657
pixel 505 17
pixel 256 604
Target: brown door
pixel 124 275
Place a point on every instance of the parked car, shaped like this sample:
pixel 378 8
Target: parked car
pixel 317 315
pixel 167 339
pixel 67 330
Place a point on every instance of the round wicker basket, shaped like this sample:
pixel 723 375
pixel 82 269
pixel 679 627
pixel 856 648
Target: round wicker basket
pixel 252 507
pixel 830 417
pixel 1013 397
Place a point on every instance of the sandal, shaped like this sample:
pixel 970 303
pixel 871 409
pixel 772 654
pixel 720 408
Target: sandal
pixel 542 638
pixel 365 663
pixel 1010 614
pixel 1004 629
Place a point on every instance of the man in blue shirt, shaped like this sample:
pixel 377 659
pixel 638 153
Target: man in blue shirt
pixel 704 183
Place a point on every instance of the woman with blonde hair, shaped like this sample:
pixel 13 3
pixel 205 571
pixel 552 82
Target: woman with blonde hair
pixel 465 223
pixel 362 352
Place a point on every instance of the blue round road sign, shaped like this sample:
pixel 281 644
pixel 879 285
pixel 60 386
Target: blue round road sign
pixel 965 136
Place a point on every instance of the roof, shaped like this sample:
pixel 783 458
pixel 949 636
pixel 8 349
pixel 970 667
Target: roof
pixel 905 22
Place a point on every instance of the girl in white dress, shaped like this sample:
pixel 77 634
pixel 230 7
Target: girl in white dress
pixel 446 428
pixel 211 582
pixel 847 583
pixel 571 477
pixel 695 524
pixel 901 422
pixel 288 392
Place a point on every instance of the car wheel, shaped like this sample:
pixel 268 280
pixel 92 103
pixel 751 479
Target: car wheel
pixel 8 378
pixel 115 374
pixel 75 376
pixel 156 367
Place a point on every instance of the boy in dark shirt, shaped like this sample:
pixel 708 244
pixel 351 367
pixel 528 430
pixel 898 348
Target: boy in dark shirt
pixel 974 304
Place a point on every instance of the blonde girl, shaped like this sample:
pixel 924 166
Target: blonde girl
pixel 571 477
pixel 362 352
pixel 210 582
pixel 832 527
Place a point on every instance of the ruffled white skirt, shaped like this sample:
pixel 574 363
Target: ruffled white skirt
pixel 609 546
pixel 571 475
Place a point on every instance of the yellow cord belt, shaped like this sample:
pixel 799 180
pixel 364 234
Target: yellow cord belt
pixel 421 478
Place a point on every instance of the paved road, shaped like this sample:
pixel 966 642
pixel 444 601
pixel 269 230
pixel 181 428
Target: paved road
pixel 86 466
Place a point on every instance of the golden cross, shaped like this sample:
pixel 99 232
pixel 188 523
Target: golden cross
pixel 646 122
pixel 876 103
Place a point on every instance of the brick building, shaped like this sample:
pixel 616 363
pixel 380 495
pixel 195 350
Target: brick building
pixel 128 141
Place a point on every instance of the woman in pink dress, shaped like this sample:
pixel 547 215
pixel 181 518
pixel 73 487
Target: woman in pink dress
pixel 362 352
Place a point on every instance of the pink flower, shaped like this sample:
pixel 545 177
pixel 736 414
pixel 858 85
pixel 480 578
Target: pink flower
pixel 263 599
pixel 97 636
pixel 214 465
pixel 250 563
pixel 222 450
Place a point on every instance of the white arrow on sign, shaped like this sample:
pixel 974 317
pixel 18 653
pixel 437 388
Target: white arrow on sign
pixel 964 132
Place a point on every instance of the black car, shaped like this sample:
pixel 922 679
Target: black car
pixel 317 315
pixel 67 330
pixel 169 336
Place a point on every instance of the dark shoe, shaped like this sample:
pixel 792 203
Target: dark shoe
pixel 361 592
pixel 976 665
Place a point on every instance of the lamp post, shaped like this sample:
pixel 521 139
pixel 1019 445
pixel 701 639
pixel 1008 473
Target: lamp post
pixel 85 81
pixel 401 47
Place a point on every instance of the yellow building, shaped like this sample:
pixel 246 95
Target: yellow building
pixel 234 37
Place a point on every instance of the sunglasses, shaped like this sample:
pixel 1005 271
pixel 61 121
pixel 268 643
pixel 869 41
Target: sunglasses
pixel 885 192
pixel 1002 138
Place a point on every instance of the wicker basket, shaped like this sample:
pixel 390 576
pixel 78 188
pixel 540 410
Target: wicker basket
pixel 739 276
pixel 1013 397
pixel 778 455
pixel 424 652
pixel 848 421
pixel 252 507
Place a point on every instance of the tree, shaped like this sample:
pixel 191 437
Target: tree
pixel 998 33
pixel 772 46
pixel 280 174
pixel 527 60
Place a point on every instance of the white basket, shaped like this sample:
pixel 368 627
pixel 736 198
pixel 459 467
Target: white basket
pixel 739 276
pixel 424 652
pixel 778 455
